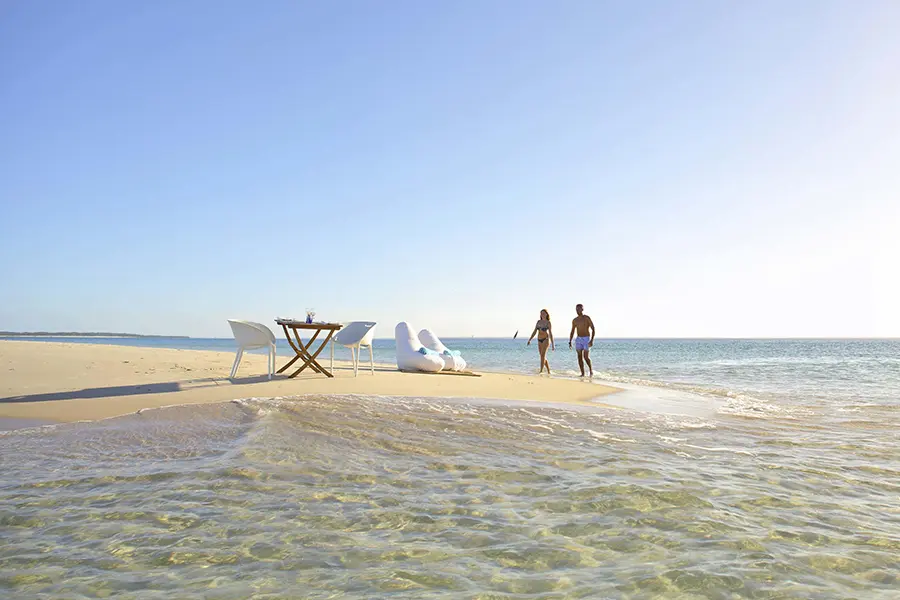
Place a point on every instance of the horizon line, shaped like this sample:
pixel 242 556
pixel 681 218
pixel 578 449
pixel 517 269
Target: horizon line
pixel 4 334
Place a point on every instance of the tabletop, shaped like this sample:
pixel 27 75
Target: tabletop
pixel 304 325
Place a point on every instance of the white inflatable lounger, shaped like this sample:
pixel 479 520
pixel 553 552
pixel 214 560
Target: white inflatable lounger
pixel 452 360
pixel 412 355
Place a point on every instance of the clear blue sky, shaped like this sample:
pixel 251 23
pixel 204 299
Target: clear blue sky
pixel 700 168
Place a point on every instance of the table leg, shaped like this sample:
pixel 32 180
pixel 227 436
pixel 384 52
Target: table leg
pixel 304 350
pixel 296 351
pixel 322 347
pixel 311 358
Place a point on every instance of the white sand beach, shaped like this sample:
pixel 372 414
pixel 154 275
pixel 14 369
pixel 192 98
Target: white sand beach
pixel 63 382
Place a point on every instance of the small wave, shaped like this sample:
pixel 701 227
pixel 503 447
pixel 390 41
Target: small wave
pixel 683 387
pixel 745 405
pixel 30 429
pixel 607 437
pixel 671 440
pixel 722 449
pixel 540 426
pixel 730 402
pixel 262 407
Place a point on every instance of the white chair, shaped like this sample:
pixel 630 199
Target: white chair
pixel 355 335
pixel 453 361
pixel 412 355
pixel 250 336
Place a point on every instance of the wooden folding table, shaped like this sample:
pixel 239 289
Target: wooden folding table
pixel 304 350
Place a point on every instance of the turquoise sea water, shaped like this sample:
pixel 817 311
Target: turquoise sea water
pixel 733 469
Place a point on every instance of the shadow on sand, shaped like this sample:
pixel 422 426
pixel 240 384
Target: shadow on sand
pixel 135 390
pixel 170 386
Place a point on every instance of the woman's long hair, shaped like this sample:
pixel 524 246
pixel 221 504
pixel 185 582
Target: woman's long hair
pixel 544 311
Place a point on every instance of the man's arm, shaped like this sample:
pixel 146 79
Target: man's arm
pixel 572 333
pixel 591 325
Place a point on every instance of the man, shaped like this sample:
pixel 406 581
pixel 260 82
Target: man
pixel 585 340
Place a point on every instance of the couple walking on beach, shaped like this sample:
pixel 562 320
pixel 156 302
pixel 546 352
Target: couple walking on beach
pixel 581 324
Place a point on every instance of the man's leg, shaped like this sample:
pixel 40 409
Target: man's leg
pixel 587 359
pixel 580 361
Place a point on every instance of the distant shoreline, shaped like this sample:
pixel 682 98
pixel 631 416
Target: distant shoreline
pixel 79 334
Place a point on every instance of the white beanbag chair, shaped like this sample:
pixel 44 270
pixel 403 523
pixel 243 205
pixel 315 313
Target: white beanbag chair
pixel 452 360
pixel 412 355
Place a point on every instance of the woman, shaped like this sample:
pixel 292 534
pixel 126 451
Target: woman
pixel 544 332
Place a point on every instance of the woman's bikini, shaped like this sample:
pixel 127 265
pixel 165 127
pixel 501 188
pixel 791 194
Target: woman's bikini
pixel 545 330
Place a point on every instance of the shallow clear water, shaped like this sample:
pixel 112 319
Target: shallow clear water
pixel 737 470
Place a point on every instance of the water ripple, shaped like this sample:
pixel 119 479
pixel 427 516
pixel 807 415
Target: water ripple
pixel 367 497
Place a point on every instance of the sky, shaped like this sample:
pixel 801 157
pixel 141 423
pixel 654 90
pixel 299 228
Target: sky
pixel 683 169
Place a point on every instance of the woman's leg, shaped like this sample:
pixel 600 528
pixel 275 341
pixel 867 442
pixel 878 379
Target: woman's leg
pixel 542 348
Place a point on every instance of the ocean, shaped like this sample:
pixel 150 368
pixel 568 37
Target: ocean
pixel 725 469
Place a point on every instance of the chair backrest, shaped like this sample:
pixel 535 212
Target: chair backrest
pixel 430 340
pixel 356 333
pixel 249 334
pixel 406 338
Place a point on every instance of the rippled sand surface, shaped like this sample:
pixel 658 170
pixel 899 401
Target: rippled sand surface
pixel 376 497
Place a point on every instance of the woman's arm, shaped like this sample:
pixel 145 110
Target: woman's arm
pixel 532 335
pixel 550 331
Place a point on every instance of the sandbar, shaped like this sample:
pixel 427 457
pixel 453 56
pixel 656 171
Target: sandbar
pixel 65 382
